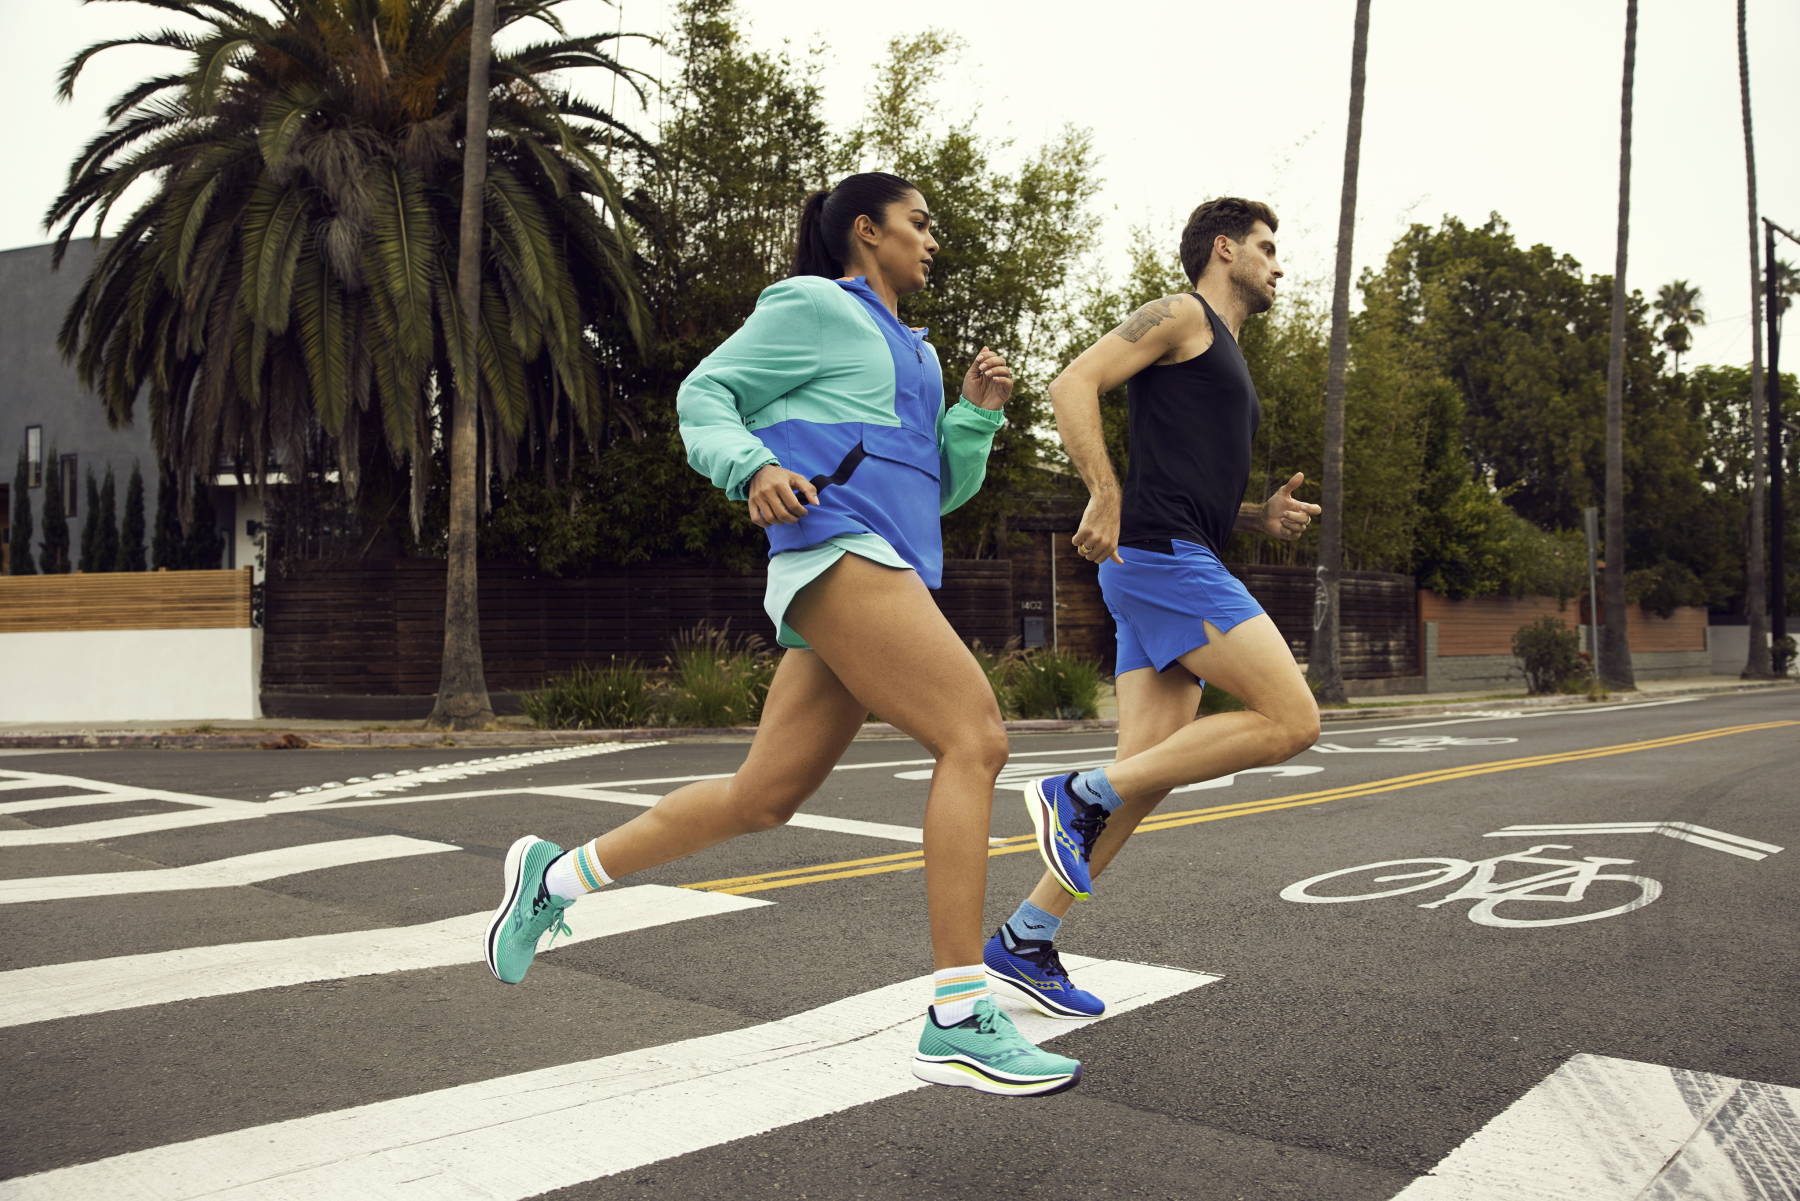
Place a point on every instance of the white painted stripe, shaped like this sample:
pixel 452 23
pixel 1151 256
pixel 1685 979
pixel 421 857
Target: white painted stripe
pixel 1520 714
pixel 123 827
pixel 1601 1129
pixel 603 1116
pixel 464 768
pixel 1718 840
pixel 220 873
pixel 807 821
pixel 82 784
pixel 71 801
pixel 41 994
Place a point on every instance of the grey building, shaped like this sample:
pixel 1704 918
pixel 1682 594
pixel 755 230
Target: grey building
pixel 45 409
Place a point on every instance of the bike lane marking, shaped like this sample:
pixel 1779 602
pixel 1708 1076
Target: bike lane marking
pixel 1605 1129
pixel 61 990
pixel 1706 836
pixel 609 1115
pixel 913 860
pixel 220 873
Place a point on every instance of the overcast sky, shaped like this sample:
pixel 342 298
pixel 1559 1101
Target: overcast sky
pixel 1471 108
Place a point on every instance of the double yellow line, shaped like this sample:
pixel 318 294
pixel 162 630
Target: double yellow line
pixel 911 860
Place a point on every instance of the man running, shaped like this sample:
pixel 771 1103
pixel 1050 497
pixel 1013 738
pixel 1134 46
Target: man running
pixel 1182 618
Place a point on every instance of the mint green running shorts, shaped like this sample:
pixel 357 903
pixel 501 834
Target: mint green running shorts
pixel 792 570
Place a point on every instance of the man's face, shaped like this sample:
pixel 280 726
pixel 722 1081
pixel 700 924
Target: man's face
pixel 1254 268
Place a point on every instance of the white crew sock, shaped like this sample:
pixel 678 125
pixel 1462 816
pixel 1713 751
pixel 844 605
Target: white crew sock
pixel 574 874
pixel 955 991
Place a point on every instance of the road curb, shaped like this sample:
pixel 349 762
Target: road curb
pixel 280 738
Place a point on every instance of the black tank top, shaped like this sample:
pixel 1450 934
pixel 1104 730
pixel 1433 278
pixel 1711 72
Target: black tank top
pixel 1191 425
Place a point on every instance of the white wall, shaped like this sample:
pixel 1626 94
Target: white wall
pixel 130 675
pixel 1731 648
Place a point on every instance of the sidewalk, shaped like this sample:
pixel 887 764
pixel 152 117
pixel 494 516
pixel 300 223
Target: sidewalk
pixel 290 733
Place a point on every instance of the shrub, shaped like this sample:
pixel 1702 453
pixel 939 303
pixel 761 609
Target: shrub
pixel 1550 653
pixel 715 680
pixel 997 667
pixel 613 697
pixel 1052 683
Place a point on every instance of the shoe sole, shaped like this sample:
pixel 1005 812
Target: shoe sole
pixel 1044 825
pixel 509 897
pixel 963 1073
pixel 1005 986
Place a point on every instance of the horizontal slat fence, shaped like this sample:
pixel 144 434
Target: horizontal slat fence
pixel 377 628
pixel 125 600
pixel 1484 625
pixel 1378 623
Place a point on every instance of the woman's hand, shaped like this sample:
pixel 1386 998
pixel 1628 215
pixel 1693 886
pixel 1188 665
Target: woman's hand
pixel 775 496
pixel 989 382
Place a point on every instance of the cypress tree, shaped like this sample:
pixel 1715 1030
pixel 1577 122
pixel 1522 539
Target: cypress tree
pixel 131 533
pixel 203 542
pixel 54 558
pixel 167 549
pixel 106 542
pixel 90 526
pixel 21 520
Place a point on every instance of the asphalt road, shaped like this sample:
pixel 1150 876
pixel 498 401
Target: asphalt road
pixel 310 1020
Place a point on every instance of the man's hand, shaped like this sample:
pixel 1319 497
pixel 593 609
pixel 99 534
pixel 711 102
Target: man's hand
pixel 775 494
pixel 1098 537
pixel 989 381
pixel 1284 517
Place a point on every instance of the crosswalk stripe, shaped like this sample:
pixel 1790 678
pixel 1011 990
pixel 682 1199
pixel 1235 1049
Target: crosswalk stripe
pixel 806 821
pixel 518 1136
pixel 220 873
pixel 71 800
pixel 60 990
pixel 1604 1129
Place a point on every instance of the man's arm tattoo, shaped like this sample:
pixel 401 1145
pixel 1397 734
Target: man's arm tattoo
pixel 1146 319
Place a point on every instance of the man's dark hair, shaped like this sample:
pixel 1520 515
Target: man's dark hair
pixel 1232 216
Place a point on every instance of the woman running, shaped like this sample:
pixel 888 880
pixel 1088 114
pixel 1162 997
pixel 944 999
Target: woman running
pixel 825 414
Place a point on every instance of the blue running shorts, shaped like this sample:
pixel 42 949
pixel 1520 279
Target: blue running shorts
pixel 1162 602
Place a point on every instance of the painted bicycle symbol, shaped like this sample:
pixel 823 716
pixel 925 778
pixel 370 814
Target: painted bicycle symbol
pixel 1577 882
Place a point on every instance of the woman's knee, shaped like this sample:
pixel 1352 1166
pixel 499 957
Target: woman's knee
pixel 981 744
pixel 765 806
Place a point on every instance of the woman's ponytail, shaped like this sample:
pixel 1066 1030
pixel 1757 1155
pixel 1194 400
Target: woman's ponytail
pixel 822 242
pixel 812 254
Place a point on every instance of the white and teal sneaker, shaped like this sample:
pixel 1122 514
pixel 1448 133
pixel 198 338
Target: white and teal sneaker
pixel 986 1052
pixel 527 909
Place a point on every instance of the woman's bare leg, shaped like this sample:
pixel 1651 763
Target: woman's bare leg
pixel 807 722
pixel 890 646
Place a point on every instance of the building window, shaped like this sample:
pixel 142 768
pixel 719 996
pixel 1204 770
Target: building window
pixel 70 485
pixel 34 456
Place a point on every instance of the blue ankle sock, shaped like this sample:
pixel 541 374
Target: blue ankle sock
pixel 1028 921
pixel 1094 788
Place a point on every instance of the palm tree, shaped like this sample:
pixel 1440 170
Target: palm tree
pixel 1615 648
pixel 289 284
pixel 1756 604
pixel 1324 662
pixel 1678 306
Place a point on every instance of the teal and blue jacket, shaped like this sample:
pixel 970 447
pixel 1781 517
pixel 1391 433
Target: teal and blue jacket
pixel 825 381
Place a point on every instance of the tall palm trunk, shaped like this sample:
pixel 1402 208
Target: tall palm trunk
pixel 1325 661
pixel 1615 648
pixel 462 698
pixel 1756 581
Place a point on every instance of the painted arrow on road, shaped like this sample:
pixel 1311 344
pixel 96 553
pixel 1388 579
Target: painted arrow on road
pixel 1718 840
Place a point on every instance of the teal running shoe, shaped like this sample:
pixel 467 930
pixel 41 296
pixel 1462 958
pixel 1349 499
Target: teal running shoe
pixel 526 910
pixel 986 1052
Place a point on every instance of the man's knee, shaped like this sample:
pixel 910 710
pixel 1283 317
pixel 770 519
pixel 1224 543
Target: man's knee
pixel 1294 733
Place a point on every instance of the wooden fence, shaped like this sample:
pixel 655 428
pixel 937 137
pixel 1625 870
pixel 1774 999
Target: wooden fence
pixel 125 600
pixel 1485 625
pixel 1378 624
pixel 377 628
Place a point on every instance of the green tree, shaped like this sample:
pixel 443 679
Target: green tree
pixel 130 556
pixel 202 545
pixel 53 558
pixel 1678 309
pixel 20 533
pixel 106 540
pixel 168 547
pixel 290 274
pixel 1004 276
pixel 90 526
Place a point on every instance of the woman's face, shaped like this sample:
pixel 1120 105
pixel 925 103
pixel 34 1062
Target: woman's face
pixel 902 246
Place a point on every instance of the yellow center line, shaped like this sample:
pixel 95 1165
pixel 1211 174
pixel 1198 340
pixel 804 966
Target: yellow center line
pixel 912 860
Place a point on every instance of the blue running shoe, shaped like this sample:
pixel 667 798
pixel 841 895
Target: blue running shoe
pixel 1066 828
pixel 986 1052
pixel 527 909
pixel 1028 970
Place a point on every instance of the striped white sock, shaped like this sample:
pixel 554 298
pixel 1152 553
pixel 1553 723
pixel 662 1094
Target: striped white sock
pixel 955 991
pixel 574 874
